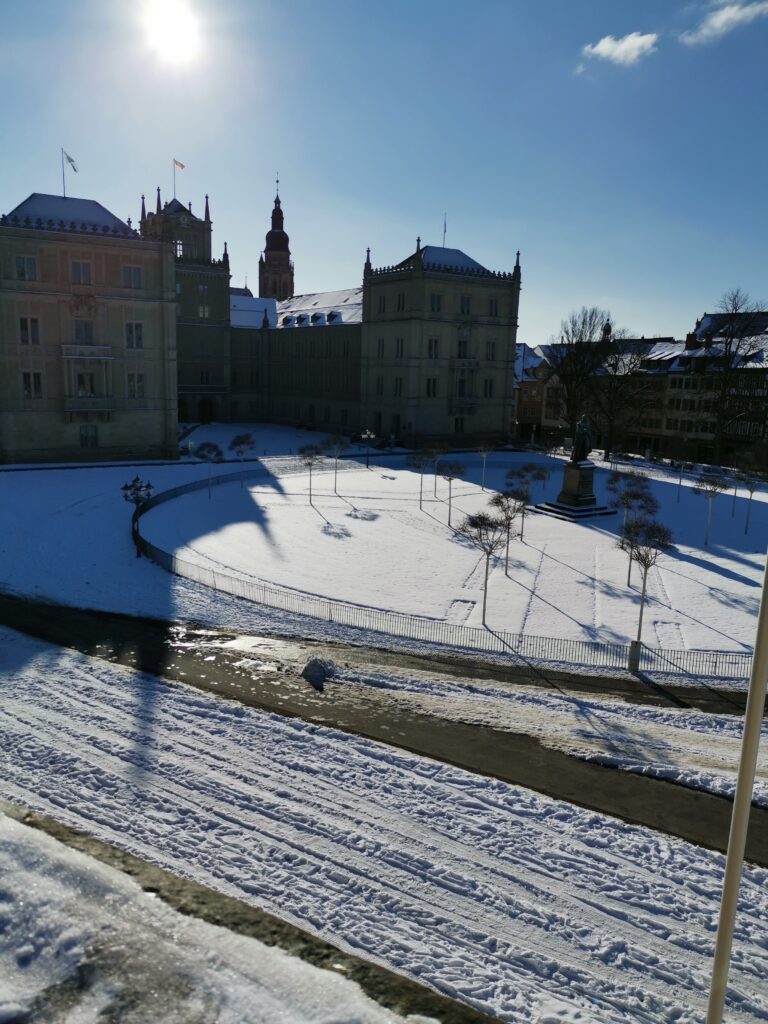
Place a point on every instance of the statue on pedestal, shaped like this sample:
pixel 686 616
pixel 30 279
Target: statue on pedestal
pixel 582 442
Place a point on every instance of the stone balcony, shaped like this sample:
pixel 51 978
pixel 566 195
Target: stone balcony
pixel 82 351
pixel 89 403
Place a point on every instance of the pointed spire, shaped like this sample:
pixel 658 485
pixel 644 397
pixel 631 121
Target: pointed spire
pixel 207 217
pixel 517 261
pixel 225 257
pixel 189 206
pixel 367 267
pixel 158 208
pixel 143 210
pixel 265 319
pixel 418 243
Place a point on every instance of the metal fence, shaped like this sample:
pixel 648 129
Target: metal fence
pixel 711 664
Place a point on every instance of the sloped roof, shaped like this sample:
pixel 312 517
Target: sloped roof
pixel 40 206
pixel 346 306
pixel 176 209
pixel 436 257
pixel 738 324
pixel 245 310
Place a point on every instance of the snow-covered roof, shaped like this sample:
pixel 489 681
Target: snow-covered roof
pixel 248 310
pixel 40 206
pixel 750 353
pixel 320 308
pixel 527 360
pixel 752 323
pixel 436 257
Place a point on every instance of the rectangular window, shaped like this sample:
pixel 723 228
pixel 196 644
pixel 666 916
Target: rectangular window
pixel 488 387
pixel 382 303
pixel 203 312
pixel 398 387
pixel 29 330
pixel 399 345
pixel 461 387
pixel 205 377
pixel 458 425
pixel 380 348
pixel 131 277
pixel 135 385
pixel 32 385
pixel 84 332
pixel 343 417
pixel 134 334
pixel 435 302
pixel 433 348
pixel 490 351
pixel 178 246
pixel 379 385
pixel 493 307
pixel 401 302
pixel 26 268
pixel 89 435
pixel 464 305
pixel 86 385
pixel 462 348
pixel 431 387
pixel 81 272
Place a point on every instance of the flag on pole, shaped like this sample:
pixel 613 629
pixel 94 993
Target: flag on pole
pixel 71 162
pixel 178 163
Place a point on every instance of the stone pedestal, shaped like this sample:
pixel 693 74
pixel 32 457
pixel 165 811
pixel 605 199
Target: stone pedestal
pixel 578 488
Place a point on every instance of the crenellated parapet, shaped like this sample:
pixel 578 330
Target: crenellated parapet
pixel 71 227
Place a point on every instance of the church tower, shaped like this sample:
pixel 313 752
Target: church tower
pixel 275 267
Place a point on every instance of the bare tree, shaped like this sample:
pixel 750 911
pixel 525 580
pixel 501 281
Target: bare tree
pixel 750 483
pixel 508 506
pixel 486 533
pixel 210 453
pixel 436 452
pixel 734 327
pixel 583 346
pixel 335 445
pixel 644 540
pixel 240 444
pixel 420 461
pixel 519 482
pixel 632 493
pixel 484 450
pixel 617 388
pixel 709 487
pixel 310 455
pixel 449 472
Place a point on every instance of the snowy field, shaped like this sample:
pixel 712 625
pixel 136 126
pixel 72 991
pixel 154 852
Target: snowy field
pixel 524 907
pixel 82 942
pixel 64 535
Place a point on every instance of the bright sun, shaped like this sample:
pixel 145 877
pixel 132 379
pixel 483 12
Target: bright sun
pixel 173 30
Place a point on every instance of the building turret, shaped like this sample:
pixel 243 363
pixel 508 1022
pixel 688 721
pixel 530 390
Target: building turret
pixel 275 267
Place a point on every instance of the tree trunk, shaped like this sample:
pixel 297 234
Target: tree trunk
pixel 450 495
pixel 482 485
pixel 709 520
pixel 335 473
pixel 310 485
pixel 749 508
pixel 485 587
pixel 506 555
pixel 642 605
pixel 629 570
pixel 421 490
pixel 522 524
pixel 733 506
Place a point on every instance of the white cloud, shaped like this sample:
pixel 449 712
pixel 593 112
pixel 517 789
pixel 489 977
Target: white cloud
pixel 627 50
pixel 725 19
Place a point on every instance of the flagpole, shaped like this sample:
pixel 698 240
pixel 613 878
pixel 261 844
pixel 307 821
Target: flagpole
pixel 742 801
pixel 174 177
pixel 63 183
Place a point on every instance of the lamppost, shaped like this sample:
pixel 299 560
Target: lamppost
pixel 137 493
pixel 369 437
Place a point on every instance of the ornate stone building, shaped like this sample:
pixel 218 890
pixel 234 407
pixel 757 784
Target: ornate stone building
pixel 275 267
pixel 87 335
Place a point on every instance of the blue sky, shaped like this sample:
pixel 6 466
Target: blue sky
pixel 621 146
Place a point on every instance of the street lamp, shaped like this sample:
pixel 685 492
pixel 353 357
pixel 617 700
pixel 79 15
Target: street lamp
pixel 369 437
pixel 137 493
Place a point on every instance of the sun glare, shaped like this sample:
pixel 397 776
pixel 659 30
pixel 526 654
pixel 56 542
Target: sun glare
pixel 173 30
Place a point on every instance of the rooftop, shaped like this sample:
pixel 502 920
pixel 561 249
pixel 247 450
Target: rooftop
pixel 319 308
pixel 66 213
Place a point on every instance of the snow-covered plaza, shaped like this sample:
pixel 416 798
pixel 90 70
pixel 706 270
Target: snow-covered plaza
pixel 521 906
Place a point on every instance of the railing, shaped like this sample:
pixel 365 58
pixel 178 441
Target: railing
pixel 86 351
pixel 710 664
pixel 89 403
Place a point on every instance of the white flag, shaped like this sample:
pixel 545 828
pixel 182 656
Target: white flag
pixel 71 161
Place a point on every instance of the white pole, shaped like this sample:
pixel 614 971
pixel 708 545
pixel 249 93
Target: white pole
pixel 753 717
